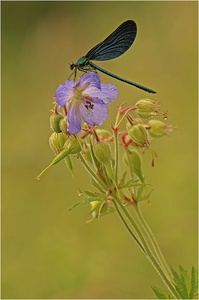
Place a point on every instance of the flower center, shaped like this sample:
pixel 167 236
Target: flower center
pixel 88 103
pixel 80 97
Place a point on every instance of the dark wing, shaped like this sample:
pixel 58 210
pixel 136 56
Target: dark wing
pixel 115 44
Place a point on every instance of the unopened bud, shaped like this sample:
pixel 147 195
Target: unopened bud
pixel 135 161
pixel 95 209
pixel 132 121
pixel 55 119
pixel 104 135
pixel 57 141
pixel 158 128
pixel 63 125
pixel 139 135
pixel 73 144
pixel 87 154
pixel 99 208
pixel 147 108
pixel 102 152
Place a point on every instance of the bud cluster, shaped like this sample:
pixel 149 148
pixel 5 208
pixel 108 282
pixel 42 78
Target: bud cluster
pixel 99 151
pixel 142 133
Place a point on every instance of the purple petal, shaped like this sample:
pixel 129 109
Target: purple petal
pixel 88 81
pixel 74 118
pixel 64 92
pixel 92 92
pixel 95 116
pixel 109 92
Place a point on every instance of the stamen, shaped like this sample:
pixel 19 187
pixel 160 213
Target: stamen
pixel 89 105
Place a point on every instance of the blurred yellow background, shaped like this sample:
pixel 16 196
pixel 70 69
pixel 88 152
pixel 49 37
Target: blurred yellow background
pixel 47 253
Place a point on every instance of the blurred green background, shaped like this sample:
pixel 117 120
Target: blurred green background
pixel 47 253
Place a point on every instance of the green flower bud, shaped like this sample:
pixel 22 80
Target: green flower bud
pixel 133 122
pixel 102 152
pixel 104 135
pixel 135 161
pixel 139 135
pixel 73 144
pixel 95 209
pixel 99 208
pixel 87 154
pixel 55 119
pixel 63 125
pixel 158 128
pixel 57 141
pixel 147 108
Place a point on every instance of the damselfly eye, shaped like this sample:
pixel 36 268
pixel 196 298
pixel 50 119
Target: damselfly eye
pixel 72 66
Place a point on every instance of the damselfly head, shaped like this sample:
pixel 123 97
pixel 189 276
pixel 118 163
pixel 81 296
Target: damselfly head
pixel 72 66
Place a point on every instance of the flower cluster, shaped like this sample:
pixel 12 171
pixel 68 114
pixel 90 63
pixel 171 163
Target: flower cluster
pixel 87 99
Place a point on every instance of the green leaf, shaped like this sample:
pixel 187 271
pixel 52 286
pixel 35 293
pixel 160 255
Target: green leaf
pixel 90 193
pixel 74 205
pixel 123 178
pixel 129 183
pixel 143 193
pixel 185 280
pixel 194 284
pixel 180 286
pixel 186 287
pixel 161 294
pixel 90 197
pixel 95 184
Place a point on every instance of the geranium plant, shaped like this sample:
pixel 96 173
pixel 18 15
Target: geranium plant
pixel 80 107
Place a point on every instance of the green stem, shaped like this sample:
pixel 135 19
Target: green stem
pixel 128 228
pixel 153 242
pixel 148 253
pixel 116 154
pixel 129 163
pixel 124 116
pixel 90 171
pixel 70 168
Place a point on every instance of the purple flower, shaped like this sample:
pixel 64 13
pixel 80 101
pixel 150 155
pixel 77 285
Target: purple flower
pixel 86 99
